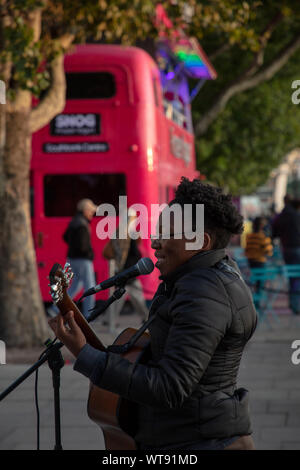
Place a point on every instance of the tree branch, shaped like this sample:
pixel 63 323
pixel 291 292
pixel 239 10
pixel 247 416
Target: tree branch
pixel 264 38
pixel 219 51
pixel 55 98
pixel 243 83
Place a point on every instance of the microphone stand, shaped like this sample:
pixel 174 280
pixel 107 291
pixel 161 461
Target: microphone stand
pixel 116 295
pixel 56 362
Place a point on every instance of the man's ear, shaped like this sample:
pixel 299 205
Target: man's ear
pixel 207 243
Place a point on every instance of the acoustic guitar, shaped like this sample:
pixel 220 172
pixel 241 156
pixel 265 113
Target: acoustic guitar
pixel 115 415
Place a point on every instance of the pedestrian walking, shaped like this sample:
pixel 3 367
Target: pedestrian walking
pixel 80 252
pixel 286 226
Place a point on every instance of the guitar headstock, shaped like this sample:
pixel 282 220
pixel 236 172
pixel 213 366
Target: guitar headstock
pixel 60 279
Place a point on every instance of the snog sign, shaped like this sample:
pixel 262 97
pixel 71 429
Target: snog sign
pixel 2 353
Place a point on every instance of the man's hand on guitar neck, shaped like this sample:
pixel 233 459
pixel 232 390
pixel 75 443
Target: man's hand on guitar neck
pixel 71 334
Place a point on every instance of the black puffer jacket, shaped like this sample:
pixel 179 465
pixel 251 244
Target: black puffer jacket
pixel 78 237
pixel 204 316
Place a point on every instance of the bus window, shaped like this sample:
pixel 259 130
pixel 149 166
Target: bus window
pixel 176 109
pixel 62 192
pixel 90 85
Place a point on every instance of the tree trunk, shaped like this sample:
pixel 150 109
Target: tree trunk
pixel 22 317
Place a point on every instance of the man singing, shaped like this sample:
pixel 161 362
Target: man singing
pixel 186 395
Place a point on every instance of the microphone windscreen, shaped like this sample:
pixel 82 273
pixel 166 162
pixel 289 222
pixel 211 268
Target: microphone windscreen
pixel 145 266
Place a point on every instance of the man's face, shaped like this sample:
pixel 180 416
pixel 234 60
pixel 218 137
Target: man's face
pixel 171 253
pixel 89 212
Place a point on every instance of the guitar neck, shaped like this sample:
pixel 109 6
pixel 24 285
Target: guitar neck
pixel 67 304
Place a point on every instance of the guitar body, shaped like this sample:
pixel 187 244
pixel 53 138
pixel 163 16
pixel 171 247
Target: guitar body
pixel 115 415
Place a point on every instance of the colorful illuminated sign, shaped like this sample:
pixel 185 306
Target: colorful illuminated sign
pixel 188 52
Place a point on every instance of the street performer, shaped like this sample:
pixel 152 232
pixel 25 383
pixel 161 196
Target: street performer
pixel 186 395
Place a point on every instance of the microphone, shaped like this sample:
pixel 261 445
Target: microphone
pixel 143 266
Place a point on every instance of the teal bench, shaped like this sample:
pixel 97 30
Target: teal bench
pixel 275 281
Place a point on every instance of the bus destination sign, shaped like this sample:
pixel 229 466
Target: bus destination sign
pixel 75 147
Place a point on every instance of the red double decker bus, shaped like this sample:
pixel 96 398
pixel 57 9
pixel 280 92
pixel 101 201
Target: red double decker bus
pixel 123 132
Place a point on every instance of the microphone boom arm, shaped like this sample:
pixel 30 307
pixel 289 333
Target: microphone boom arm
pixel 116 295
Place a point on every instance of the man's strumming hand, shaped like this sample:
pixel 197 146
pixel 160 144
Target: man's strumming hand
pixel 68 332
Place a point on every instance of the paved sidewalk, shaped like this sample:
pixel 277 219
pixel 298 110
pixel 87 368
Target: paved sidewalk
pixel 274 382
pixel 18 413
pixel 266 370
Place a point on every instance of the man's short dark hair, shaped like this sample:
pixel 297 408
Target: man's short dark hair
pixel 221 217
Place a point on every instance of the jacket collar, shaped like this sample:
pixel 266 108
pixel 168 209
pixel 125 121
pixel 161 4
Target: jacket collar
pixel 204 259
pixel 80 215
